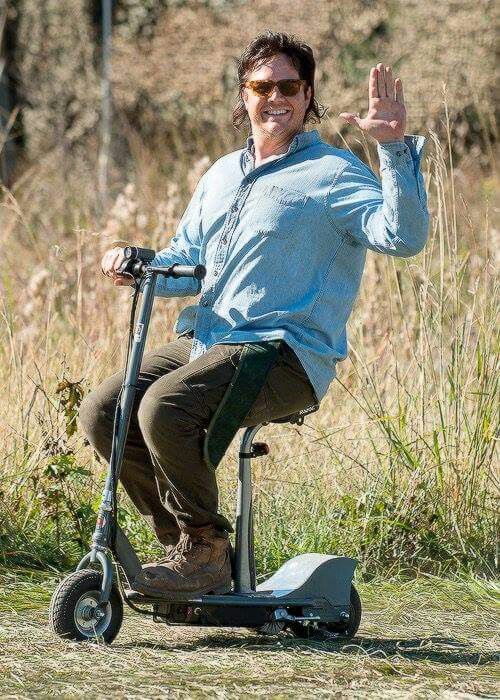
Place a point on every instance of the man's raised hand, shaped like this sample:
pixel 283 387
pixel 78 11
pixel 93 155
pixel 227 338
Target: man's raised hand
pixel 386 118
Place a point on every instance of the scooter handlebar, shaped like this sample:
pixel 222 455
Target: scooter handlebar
pixel 145 255
pixel 196 271
pixel 136 260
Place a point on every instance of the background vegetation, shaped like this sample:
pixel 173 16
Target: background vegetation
pixel 173 76
pixel 398 466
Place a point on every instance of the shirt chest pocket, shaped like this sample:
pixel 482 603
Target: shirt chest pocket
pixel 273 211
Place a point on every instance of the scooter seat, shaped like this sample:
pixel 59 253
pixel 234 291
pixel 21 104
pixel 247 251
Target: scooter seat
pixel 297 417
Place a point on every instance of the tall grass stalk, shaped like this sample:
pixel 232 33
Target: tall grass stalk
pixel 398 466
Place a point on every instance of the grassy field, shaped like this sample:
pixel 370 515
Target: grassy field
pixel 425 638
pixel 398 468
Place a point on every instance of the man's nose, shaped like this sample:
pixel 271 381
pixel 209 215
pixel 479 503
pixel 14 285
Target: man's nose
pixel 275 92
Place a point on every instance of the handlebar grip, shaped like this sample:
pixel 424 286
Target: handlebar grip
pixel 196 271
pixel 131 252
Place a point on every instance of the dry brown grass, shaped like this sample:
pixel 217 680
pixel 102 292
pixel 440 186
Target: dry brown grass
pixel 399 464
pixel 425 639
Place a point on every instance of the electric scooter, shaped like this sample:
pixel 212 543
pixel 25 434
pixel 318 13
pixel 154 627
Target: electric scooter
pixel 311 594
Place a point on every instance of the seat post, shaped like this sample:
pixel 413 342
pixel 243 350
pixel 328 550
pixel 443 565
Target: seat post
pixel 244 579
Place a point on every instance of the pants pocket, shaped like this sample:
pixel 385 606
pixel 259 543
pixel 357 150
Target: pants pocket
pixel 287 389
pixel 260 409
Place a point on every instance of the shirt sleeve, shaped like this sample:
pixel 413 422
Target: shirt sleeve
pixel 388 216
pixel 183 249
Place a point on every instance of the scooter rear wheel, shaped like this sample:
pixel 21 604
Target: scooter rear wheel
pixel 334 630
pixel 75 612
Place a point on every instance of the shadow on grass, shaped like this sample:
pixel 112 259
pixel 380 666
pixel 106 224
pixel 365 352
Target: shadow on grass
pixel 443 650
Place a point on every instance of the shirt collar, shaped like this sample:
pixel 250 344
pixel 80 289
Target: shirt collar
pixel 299 141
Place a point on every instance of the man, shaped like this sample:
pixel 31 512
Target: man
pixel 282 227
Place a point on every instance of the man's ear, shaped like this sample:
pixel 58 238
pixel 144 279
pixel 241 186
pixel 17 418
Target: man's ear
pixel 244 96
pixel 308 95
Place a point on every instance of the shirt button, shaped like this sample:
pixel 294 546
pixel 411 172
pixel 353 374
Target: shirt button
pixel 215 273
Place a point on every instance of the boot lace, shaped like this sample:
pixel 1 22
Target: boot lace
pixel 186 545
pixel 175 551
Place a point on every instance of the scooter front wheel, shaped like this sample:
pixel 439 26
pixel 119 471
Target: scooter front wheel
pixel 75 612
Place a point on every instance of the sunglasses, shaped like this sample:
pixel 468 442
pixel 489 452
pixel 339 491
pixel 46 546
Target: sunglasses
pixel 288 87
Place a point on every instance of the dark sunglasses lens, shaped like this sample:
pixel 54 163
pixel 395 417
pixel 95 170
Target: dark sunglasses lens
pixel 263 87
pixel 289 87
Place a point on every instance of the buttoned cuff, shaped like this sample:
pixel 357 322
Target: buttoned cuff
pixel 396 152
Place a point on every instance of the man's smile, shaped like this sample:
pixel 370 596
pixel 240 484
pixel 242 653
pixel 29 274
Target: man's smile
pixel 276 112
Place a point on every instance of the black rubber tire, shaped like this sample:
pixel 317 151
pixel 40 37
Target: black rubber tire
pixel 323 630
pixel 355 612
pixel 65 600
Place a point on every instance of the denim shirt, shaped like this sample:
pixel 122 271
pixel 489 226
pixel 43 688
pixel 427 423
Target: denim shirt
pixel 284 245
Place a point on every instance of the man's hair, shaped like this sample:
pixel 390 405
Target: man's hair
pixel 261 49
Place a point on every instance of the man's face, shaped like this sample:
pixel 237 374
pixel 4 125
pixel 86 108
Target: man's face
pixel 292 109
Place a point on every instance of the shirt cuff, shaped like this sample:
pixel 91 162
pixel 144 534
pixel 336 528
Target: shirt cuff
pixel 396 152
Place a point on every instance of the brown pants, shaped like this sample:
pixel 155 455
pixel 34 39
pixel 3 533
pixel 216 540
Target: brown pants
pixel 163 468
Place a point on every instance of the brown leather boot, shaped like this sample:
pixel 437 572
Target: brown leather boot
pixel 202 565
pixel 171 552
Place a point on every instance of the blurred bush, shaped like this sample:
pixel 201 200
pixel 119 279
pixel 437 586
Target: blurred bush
pixel 174 76
pixel 59 84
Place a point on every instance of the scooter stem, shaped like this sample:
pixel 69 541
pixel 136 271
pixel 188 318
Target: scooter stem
pixel 102 533
pixel 105 524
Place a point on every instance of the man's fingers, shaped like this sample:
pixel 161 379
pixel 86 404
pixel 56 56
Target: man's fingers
pixel 372 83
pixel 122 281
pixel 110 263
pixel 112 260
pixel 389 82
pixel 104 261
pixel 350 118
pixel 382 92
pixel 399 91
pixel 117 258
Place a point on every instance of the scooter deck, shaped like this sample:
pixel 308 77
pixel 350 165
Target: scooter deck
pixel 316 580
pixel 252 598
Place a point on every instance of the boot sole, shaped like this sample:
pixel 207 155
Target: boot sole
pixel 180 596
